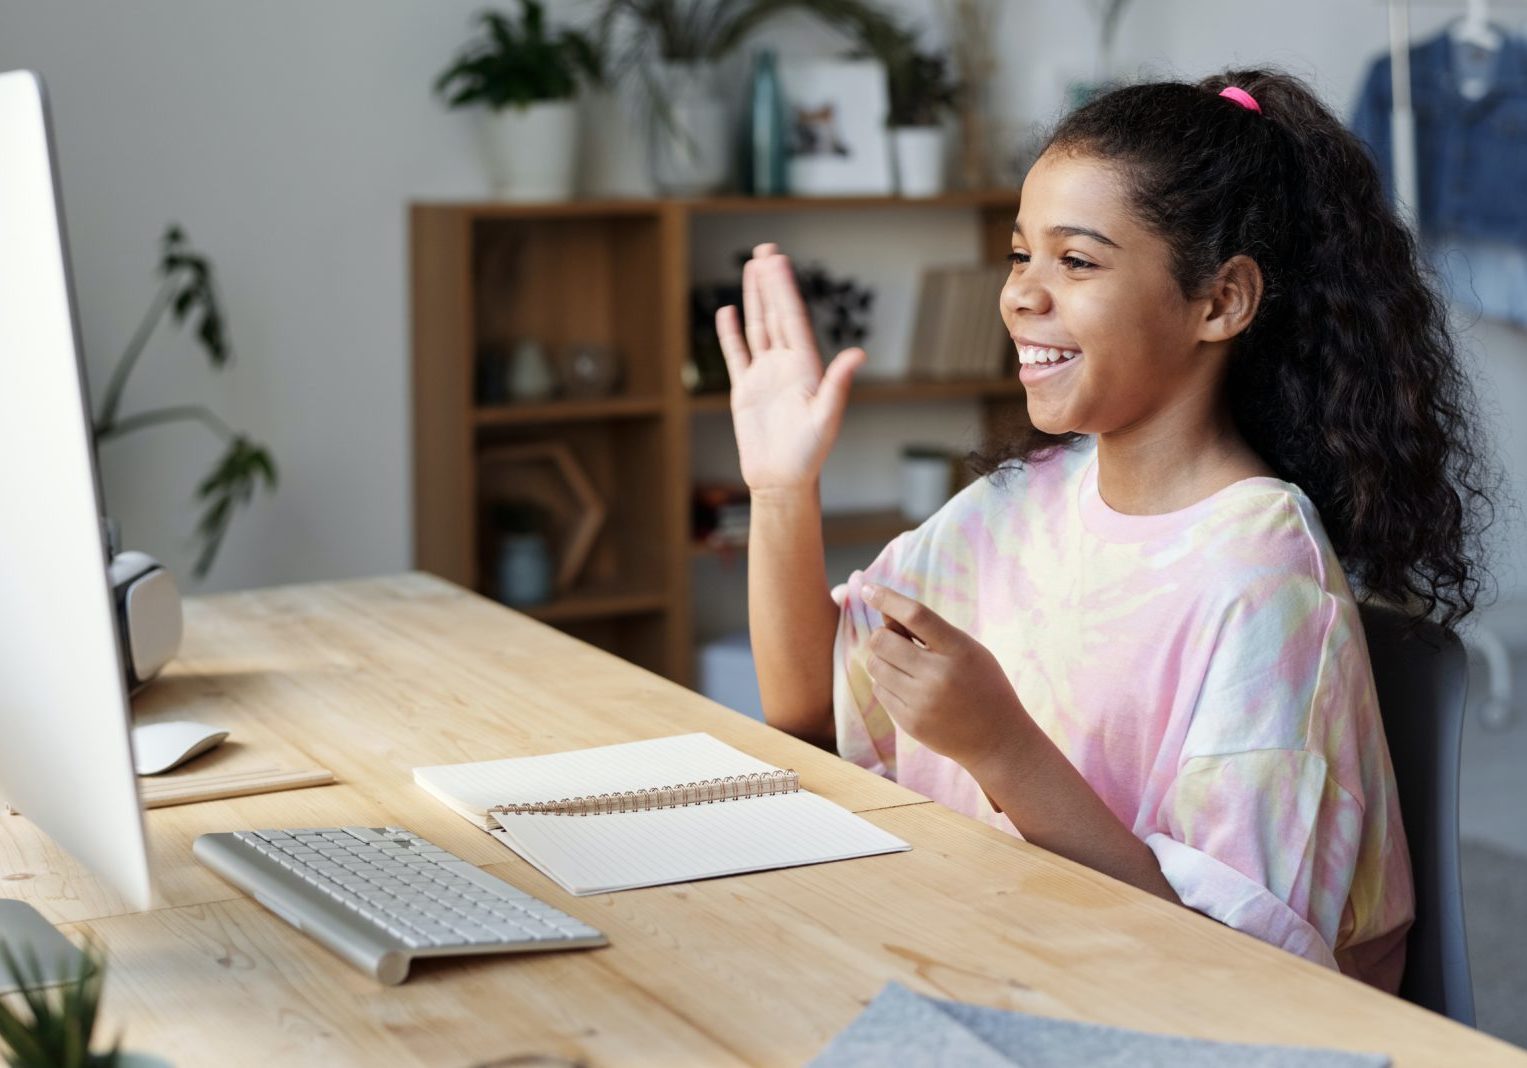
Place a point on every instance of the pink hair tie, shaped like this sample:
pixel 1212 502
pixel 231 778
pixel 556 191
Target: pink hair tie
pixel 1241 97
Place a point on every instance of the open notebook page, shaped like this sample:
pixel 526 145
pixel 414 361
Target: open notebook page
pixel 625 850
pixel 472 789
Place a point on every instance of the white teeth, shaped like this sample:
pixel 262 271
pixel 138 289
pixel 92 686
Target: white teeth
pixel 1031 354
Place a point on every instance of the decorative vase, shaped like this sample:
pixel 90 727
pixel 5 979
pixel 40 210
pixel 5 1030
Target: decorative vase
pixel 530 376
pixel 689 130
pixel 919 155
pixel 531 153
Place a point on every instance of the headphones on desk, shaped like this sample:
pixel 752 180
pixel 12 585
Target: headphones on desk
pixel 146 600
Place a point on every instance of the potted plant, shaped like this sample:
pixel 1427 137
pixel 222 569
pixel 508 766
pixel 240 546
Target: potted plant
pixel 524 82
pixel 50 1026
pixel 188 292
pixel 675 46
pixel 922 93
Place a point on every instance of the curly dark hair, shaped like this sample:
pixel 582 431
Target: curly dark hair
pixel 1347 382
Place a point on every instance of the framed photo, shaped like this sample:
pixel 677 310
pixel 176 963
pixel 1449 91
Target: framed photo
pixel 835 115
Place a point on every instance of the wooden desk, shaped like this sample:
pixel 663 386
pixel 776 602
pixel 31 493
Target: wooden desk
pixel 372 678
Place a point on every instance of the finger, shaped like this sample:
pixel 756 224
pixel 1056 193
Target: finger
pixel 891 700
pixel 733 348
pixel 920 621
pixel 773 293
pixel 765 250
pixel 753 310
pixel 896 652
pixel 785 304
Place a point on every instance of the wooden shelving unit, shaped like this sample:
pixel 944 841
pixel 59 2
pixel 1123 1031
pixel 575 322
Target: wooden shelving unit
pixel 614 272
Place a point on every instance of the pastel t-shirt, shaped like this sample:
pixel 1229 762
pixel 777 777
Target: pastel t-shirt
pixel 1206 672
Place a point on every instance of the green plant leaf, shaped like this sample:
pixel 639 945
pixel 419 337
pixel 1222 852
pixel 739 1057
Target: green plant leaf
pixel 55 1031
pixel 230 484
pixel 519 64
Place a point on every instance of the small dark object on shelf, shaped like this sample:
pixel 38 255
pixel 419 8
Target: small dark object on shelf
pixel 719 514
pixel 523 560
pixel 588 369
pixel 707 370
pixel 840 308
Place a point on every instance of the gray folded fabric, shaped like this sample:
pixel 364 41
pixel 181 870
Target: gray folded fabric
pixel 901 1027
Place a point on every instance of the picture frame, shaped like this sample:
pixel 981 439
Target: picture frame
pixel 835 119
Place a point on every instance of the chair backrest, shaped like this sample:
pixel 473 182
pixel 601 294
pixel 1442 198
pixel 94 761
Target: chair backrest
pixel 1422 681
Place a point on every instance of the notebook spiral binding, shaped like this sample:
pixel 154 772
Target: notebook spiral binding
pixel 705 792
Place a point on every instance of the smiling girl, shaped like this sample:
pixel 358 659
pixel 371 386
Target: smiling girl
pixel 1133 641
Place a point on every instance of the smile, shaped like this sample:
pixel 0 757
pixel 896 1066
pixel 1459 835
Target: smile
pixel 1028 354
pixel 1037 364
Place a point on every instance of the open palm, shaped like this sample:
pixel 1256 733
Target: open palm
pixel 785 409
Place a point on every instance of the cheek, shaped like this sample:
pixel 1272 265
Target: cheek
pixel 1124 323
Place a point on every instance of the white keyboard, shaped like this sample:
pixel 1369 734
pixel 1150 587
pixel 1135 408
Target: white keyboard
pixel 380 897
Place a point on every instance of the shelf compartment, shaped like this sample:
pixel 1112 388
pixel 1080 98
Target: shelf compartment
pixel 621 461
pixel 572 278
pixel 566 411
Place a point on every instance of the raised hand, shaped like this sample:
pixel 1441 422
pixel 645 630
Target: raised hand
pixel 785 409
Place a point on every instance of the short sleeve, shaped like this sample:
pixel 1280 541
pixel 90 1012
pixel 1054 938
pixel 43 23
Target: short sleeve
pixel 1265 842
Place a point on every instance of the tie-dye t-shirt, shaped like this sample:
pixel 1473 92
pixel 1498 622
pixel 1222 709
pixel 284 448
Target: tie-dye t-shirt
pixel 1206 672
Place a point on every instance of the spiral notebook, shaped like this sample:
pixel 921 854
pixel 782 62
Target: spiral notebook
pixel 664 810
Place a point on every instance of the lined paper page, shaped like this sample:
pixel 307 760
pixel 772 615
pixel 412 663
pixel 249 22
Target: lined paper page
pixel 622 851
pixel 472 789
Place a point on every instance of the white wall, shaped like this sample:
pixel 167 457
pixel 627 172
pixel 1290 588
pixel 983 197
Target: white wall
pixel 288 137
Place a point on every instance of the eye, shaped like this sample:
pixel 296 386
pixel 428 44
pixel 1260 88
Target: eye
pixel 1075 263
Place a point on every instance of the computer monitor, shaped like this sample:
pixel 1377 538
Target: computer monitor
pixel 65 754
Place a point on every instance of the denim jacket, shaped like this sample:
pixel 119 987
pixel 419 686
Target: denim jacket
pixel 1471 155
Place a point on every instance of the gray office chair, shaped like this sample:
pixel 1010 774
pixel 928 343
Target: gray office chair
pixel 1422 681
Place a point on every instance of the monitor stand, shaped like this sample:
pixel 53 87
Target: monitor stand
pixel 30 938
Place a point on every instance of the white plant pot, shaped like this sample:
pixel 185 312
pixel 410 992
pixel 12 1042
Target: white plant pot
pixel 531 153
pixel 691 150
pixel 919 155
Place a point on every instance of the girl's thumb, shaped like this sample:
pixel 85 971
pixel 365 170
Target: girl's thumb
pixel 840 371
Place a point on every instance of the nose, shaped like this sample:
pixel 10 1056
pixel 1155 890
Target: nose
pixel 1023 292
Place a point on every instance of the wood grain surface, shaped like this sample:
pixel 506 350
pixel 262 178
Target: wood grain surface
pixel 371 678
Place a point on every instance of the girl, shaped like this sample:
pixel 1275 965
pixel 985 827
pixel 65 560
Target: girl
pixel 1133 640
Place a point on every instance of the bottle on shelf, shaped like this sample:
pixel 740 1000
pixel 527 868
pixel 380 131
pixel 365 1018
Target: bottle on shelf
pixel 766 170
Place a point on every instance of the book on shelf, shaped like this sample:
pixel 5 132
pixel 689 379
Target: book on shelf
pixel 958 331
pixel 648 813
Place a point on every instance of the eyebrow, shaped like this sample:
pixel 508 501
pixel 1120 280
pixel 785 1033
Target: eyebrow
pixel 1074 231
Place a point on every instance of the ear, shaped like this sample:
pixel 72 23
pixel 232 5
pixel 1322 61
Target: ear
pixel 1233 298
